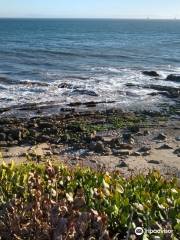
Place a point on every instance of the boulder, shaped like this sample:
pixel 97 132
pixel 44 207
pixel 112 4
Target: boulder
pixel 151 73
pixel 173 78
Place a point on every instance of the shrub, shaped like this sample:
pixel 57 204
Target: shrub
pixel 56 202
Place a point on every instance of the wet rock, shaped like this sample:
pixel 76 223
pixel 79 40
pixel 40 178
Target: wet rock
pixel 173 78
pixel 84 92
pixel 151 73
pixel 2 137
pixel 171 92
pixel 161 137
pixel 154 161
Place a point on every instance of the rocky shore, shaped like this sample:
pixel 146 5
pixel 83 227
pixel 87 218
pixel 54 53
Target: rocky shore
pixel 111 139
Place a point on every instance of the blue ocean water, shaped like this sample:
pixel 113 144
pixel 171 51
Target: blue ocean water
pixel 99 56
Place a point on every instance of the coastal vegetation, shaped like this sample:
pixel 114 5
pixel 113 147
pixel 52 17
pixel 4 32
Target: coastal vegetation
pixel 50 201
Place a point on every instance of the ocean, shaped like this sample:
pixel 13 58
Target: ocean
pixel 61 61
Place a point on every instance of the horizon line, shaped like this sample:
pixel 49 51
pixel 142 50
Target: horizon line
pixel 94 18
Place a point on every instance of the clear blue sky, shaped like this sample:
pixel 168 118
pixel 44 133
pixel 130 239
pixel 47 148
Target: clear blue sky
pixel 90 8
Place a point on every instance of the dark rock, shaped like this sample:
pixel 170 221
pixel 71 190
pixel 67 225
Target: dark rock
pixel 121 152
pixel 170 92
pixel 127 136
pixel 136 154
pixel 114 142
pixel 126 146
pixel 45 125
pixel 84 92
pixel 65 85
pixel 75 104
pixel 147 153
pixel 97 147
pixel 165 146
pixel 134 129
pixel 2 137
pixel 154 162
pixel 15 134
pixel 144 149
pixel 93 160
pixel 161 137
pixel 151 73
pixel 173 78
pixel 146 132
pixel 44 138
pixel 122 164
pixel 130 85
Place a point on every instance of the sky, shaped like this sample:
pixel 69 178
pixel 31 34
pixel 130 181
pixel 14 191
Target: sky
pixel 90 8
